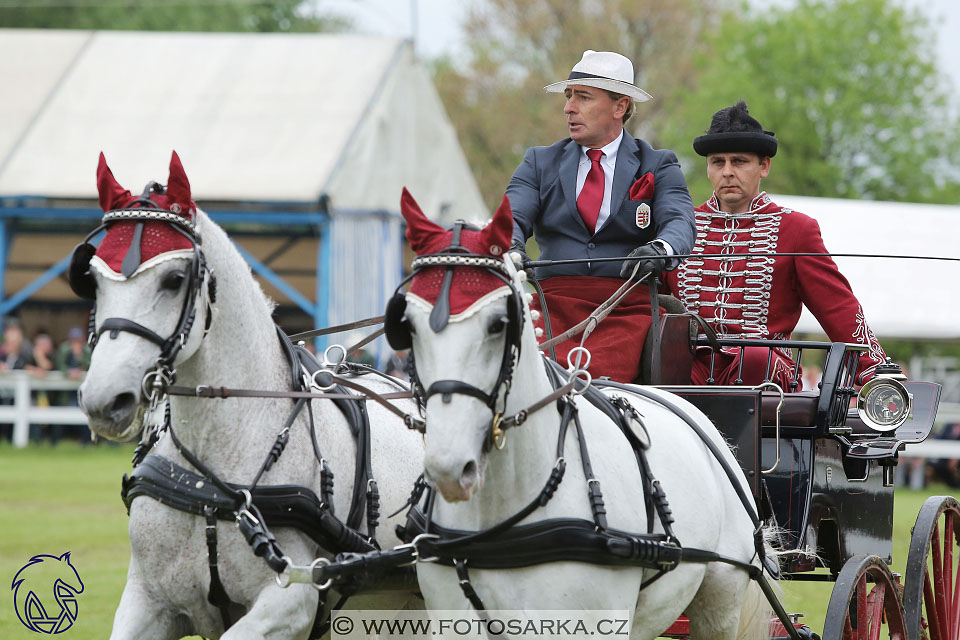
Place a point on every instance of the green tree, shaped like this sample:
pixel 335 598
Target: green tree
pixel 515 47
pixel 169 15
pixel 851 89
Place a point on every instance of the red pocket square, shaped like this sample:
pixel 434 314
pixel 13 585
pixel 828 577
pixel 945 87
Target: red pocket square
pixel 642 189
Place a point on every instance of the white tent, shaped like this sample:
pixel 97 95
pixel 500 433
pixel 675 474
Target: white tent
pixel 257 119
pixel 900 298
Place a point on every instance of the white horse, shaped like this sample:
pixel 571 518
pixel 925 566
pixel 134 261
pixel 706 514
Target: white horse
pixel 483 486
pixel 167 583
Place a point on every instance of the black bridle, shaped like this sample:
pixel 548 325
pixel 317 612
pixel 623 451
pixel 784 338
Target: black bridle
pixel 141 210
pixel 398 329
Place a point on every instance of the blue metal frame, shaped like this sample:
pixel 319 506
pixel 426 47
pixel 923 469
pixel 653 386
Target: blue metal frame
pixel 271 215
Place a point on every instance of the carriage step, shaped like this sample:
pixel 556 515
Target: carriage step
pixel 681 630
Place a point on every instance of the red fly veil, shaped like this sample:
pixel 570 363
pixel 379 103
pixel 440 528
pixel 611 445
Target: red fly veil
pixel 157 237
pixel 469 283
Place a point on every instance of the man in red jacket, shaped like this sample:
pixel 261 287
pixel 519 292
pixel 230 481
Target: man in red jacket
pixel 759 297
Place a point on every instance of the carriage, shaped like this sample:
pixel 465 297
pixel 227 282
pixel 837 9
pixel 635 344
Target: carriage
pixel 820 465
pixel 824 472
pixel 821 471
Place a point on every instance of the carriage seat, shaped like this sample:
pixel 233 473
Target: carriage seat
pixel 677 335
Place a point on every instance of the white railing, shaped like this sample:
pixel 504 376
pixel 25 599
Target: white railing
pixel 22 413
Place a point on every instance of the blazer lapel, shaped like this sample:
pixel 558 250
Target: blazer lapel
pixel 628 161
pixel 569 163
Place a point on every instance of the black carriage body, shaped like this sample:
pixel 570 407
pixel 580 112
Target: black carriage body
pixel 831 489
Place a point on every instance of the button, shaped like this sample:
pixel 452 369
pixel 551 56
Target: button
pixel 591 245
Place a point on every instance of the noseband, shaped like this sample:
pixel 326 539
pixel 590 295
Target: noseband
pixel 141 210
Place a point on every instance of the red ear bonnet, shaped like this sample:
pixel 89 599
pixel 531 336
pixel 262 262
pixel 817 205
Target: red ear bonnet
pixel 112 195
pixel 469 283
pixel 157 237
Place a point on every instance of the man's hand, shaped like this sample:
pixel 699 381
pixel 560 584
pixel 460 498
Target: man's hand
pixel 647 264
pixel 516 248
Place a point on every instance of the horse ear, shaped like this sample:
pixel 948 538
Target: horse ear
pixel 65 557
pixel 420 229
pixel 497 235
pixel 112 195
pixel 178 187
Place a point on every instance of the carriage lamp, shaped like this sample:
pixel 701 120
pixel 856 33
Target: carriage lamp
pixel 884 402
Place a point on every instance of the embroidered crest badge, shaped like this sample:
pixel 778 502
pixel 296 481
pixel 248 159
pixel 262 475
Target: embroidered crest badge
pixel 643 216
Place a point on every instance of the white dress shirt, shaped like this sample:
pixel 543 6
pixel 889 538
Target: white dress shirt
pixel 608 161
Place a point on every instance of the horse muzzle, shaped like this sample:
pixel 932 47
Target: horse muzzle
pixel 456 481
pixel 111 413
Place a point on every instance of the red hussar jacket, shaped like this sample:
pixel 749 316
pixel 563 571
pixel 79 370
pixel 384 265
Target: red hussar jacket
pixel 761 298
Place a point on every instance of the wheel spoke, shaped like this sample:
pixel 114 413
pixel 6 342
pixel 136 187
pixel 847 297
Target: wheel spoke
pixel 929 605
pixel 938 590
pixel 948 569
pixel 862 613
pixel 876 601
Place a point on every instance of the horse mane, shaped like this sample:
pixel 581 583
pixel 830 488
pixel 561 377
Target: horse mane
pixel 227 251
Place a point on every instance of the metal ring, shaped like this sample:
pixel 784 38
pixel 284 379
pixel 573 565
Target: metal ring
pixel 321 387
pixel 580 374
pixel 416 550
pixel 320 562
pixel 283 584
pixel 247 497
pixel 148 385
pixel 327 362
pixel 497 435
pixel 570 365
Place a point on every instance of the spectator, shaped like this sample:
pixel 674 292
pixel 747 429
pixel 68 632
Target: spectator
pixel 947 469
pixel 73 356
pixel 811 377
pixel 73 359
pixel 14 353
pixel 397 365
pixel 38 364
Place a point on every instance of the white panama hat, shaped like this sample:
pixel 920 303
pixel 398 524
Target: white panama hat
pixel 604 70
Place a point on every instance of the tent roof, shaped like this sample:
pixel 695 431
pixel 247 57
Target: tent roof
pixel 254 117
pixel 900 298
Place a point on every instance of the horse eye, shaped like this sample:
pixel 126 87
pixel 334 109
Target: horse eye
pixel 173 281
pixel 497 325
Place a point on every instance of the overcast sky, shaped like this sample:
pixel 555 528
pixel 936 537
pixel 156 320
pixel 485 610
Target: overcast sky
pixel 438 25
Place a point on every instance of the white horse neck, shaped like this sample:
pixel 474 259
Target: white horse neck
pixel 241 350
pixel 517 473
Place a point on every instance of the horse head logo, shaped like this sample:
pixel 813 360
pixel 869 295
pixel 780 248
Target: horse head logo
pixel 45 593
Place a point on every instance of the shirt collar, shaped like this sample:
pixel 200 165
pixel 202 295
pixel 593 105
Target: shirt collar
pixel 609 150
pixel 759 202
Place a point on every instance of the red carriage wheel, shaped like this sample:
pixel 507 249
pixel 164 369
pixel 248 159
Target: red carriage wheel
pixel 931 596
pixel 865 603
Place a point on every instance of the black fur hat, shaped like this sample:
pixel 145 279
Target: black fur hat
pixel 734 129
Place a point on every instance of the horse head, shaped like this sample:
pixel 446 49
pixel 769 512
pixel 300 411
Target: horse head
pixel 463 319
pixel 152 292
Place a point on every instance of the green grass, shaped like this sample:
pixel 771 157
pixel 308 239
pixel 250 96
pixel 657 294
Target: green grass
pixel 58 499
pixel 67 498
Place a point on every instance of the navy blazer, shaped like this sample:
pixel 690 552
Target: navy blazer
pixel 543 197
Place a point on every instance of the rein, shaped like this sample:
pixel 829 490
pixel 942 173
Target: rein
pixel 549 263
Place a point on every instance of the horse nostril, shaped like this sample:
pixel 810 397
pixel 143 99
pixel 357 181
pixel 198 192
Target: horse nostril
pixel 469 475
pixel 123 404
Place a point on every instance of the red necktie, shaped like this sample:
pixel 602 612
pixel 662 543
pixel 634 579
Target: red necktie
pixel 591 196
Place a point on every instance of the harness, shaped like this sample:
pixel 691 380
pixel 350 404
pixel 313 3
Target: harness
pixel 254 508
pixel 258 509
pixel 508 544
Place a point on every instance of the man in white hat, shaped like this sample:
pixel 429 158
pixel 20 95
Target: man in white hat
pixel 596 194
